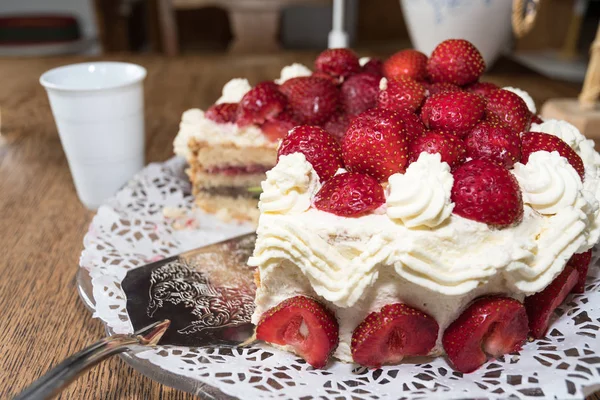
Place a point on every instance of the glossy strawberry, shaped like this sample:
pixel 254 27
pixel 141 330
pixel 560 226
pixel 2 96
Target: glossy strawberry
pixel 303 324
pixel 337 125
pixel 510 109
pixel 337 62
pixel 440 87
pixel 313 100
pixel 222 113
pixel 482 88
pixel 455 61
pixel 450 147
pixel 410 63
pixel 336 80
pixel 488 193
pixel 541 306
pixel 374 67
pixel 537 141
pixel 581 263
pixel 350 194
pixel 535 119
pixel 279 126
pixel 394 332
pixel 413 125
pixel 492 325
pixel 358 93
pixel 262 102
pixel 376 144
pixel 455 111
pixel 495 143
pixel 401 94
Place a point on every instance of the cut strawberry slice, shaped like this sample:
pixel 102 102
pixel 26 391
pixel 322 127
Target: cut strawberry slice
pixel 581 263
pixel 492 325
pixel 541 305
pixel 305 325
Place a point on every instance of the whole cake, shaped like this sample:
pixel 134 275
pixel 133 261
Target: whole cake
pixel 448 219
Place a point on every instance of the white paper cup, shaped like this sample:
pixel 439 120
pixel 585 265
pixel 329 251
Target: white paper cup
pixel 99 112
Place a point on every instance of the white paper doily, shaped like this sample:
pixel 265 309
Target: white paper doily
pixel 131 230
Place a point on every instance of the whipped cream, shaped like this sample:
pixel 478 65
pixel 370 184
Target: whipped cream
pixel 363 61
pixel 295 70
pixel 525 96
pixel 289 186
pixel 234 90
pixel 421 196
pixel 383 84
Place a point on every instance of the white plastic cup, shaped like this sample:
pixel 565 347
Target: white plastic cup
pixel 99 112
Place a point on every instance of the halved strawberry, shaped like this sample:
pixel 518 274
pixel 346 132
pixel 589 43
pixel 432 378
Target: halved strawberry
pixel 413 125
pixel 440 87
pixel 304 324
pixel 358 93
pixel 394 332
pixel 450 147
pixel 376 144
pixel 455 111
pixel 319 147
pixel 495 143
pixel 401 94
pixel 409 62
pixel 493 325
pixel 488 193
pixel 510 109
pixel 538 141
pixel 222 113
pixel 312 99
pixel 337 62
pixel 455 61
pixel 262 102
pixel 374 67
pixel 540 306
pixel 482 88
pixel 337 125
pixel 279 126
pixel 350 194
pixel 581 263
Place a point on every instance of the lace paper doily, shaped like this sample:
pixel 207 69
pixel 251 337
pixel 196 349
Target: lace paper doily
pixel 132 230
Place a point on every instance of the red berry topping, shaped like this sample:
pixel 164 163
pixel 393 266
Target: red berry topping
pixel 535 119
pixel 335 80
pixel 413 125
pixel 482 88
pixel 262 102
pixel 455 61
pixel 409 62
pixel 440 87
pixel 395 332
pixel 313 100
pixel 359 93
pixel 350 194
pixel 374 67
pixel 279 126
pixel 495 143
pixel 450 147
pixel 376 144
pixel 222 113
pixel 455 111
pixel 319 147
pixel 581 263
pixel 337 124
pixel 488 193
pixel 492 325
pixel 337 62
pixel 303 324
pixel 541 305
pixel 537 141
pixel 402 94
pixel 510 109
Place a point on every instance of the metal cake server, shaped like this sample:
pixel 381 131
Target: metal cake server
pixel 203 297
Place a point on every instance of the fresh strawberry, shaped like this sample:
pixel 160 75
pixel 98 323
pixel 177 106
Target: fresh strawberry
pixel 493 325
pixel 482 88
pixel 455 61
pixel 409 62
pixel 581 263
pixel 541 305
pixel 376 144
pixel 451 148
pixel 537 141
pixel 335 80
pixel 535 119
pixel 488 193
pixel 337 62
pixel 455 111
pixel 350 194
pixel 222 113
pixel 413 125
pixel 337 124
pixel 374 67
pixel 510 109
pixel 394 332
pixel 313 100
pixel 319 147
pixel 359 93
pixel 278 127
pixel 401 94
pixel 262 102
pixel 303 324
pixel 440 87
pixel 495 143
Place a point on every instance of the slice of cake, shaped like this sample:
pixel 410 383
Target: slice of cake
pixel 444 223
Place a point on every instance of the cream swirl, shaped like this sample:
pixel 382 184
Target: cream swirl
pixel 548 182
pixel 421 196
pixel 289 186
pixel 234 90
pixel 294 70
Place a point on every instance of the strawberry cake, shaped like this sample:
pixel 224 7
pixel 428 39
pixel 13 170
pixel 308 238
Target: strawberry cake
pixel 447 220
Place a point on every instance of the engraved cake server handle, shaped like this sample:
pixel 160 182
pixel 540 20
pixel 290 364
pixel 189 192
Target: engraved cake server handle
pixel 64 373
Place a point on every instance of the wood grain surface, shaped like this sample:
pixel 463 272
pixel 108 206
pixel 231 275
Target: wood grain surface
pixel 42 222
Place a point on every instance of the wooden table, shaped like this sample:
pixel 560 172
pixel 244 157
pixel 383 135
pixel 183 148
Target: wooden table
pixel 43 223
